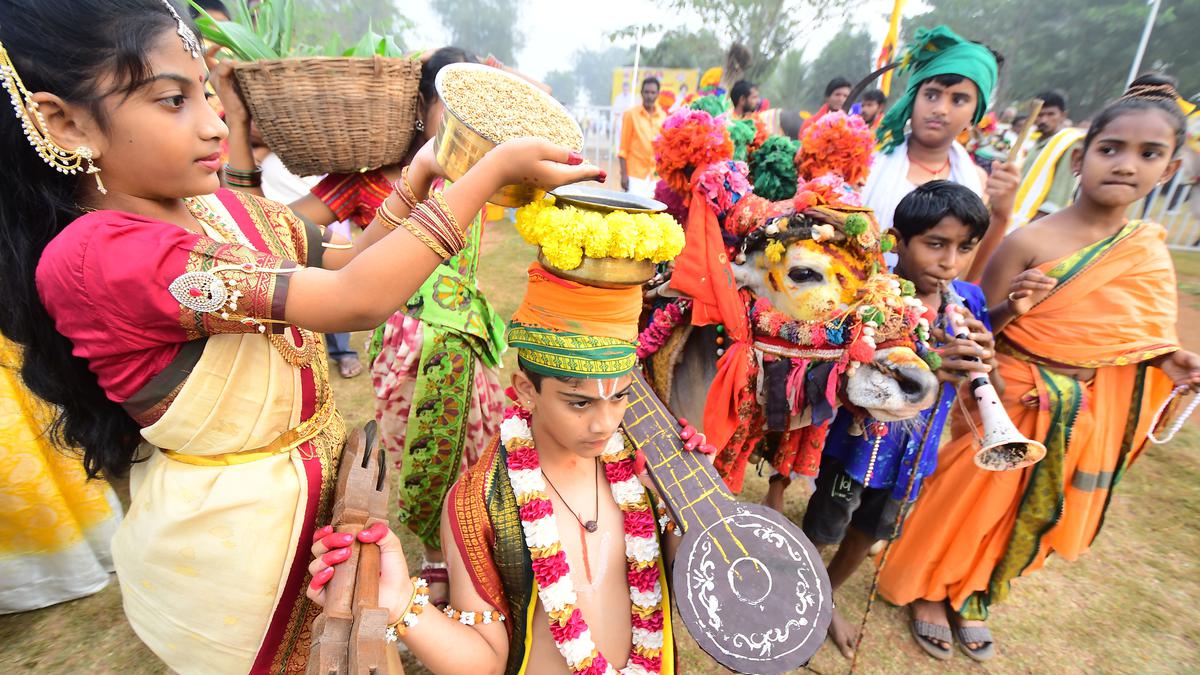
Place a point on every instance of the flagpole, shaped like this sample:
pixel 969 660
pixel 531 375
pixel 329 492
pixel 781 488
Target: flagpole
pixel 1141 50
pixel 637 59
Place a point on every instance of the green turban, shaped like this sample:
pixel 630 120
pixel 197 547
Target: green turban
pixel 938 51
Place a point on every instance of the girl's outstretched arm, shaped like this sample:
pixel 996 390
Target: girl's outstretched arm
pixel 385 274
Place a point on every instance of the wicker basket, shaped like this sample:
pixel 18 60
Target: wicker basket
pixel 333 114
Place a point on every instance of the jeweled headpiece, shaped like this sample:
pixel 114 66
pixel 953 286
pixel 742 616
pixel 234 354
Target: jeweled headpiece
pixel 190 44
pixel 33 123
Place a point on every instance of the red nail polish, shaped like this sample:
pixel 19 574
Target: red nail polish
pixel 336 556
pixel 321 578
pixel 338 540
pixel 683 422
pixel 603 177
pixel 373 533
pixel 574 158
pixel 322 533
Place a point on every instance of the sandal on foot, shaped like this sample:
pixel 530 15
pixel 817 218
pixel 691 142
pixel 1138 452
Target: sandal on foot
pixel 924 632
pixel 966 635
pixel 349 367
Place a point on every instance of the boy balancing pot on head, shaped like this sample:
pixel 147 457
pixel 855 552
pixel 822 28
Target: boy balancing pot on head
pixel 1084 303
pixel 863 484
pixel 555 556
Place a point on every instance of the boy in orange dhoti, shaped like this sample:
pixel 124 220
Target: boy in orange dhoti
pixel 1084 305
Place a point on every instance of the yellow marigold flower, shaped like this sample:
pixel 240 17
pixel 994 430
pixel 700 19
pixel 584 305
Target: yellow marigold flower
pixel 566 233
pixel 775 251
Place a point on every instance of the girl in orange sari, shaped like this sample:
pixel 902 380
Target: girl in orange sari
pixel 175 325
pixel 1084 305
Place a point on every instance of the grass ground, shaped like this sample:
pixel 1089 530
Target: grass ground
pixel 1131 605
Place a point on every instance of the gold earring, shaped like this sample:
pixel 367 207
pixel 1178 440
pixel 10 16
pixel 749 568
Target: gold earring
pixel 93 170
pixel 33 124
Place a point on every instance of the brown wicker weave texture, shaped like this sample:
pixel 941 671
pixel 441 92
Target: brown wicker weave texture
pixel 333 114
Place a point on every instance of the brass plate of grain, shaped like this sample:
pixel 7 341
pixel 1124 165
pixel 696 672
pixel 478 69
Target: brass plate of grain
pixel 462 140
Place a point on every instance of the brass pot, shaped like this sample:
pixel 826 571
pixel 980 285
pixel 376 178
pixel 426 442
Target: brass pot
pixel 460 146
pixel 604 272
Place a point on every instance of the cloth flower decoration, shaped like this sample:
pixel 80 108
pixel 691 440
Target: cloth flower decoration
pixel 773 170
pixel 837 143
pixel 689 139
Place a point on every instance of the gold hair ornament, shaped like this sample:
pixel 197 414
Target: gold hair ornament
pixel 190 44
pixel 34 125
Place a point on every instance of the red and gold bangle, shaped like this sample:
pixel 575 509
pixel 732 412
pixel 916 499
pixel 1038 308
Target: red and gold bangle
pixel 433 245
pixel 391 221
pixel 435 215
pixel 424 217
pixel 439 202
pixel 242 179
pixel 404 189
pixel 437 230
pixel 388 219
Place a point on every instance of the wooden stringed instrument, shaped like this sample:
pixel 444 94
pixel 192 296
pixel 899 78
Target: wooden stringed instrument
pixel 750 587
pixel 350 634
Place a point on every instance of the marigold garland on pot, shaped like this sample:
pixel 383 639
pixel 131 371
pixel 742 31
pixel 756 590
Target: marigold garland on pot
pixel 566 234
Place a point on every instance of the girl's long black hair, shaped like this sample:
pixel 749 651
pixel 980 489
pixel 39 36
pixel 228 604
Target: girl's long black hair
pixel 69 48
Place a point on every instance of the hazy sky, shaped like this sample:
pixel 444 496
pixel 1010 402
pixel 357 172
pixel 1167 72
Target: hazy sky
pixel 554 29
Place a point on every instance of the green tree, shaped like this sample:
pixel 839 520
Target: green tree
pixel 850 54
pixel 317 20
pixel 564 84
pixel 768 28
pixel 594 70
pixel 483 26
pixel 1083 47
pixel 681 48
pixel 787 85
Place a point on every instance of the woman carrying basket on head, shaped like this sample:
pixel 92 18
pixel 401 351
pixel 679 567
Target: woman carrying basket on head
pixel 154 306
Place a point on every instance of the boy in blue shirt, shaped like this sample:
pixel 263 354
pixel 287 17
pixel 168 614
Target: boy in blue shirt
pixel 862 485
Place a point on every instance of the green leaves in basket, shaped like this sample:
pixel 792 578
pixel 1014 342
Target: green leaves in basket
pixel 374 44
pixel 264 33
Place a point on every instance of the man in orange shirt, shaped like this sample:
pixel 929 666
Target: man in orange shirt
pixel 639 128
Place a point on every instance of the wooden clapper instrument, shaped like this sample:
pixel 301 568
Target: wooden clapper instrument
pixel 750 587
pixel 350 635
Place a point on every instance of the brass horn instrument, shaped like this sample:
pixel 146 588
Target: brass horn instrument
pixel 1003 447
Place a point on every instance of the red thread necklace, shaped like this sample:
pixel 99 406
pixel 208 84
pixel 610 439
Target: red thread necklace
pixel 926 169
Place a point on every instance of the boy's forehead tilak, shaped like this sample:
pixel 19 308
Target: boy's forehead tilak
pixel 606 389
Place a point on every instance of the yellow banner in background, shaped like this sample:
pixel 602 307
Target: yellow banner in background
pixel 679 81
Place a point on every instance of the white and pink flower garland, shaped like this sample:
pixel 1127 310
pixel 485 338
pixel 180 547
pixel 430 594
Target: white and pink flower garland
pixel 552 572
